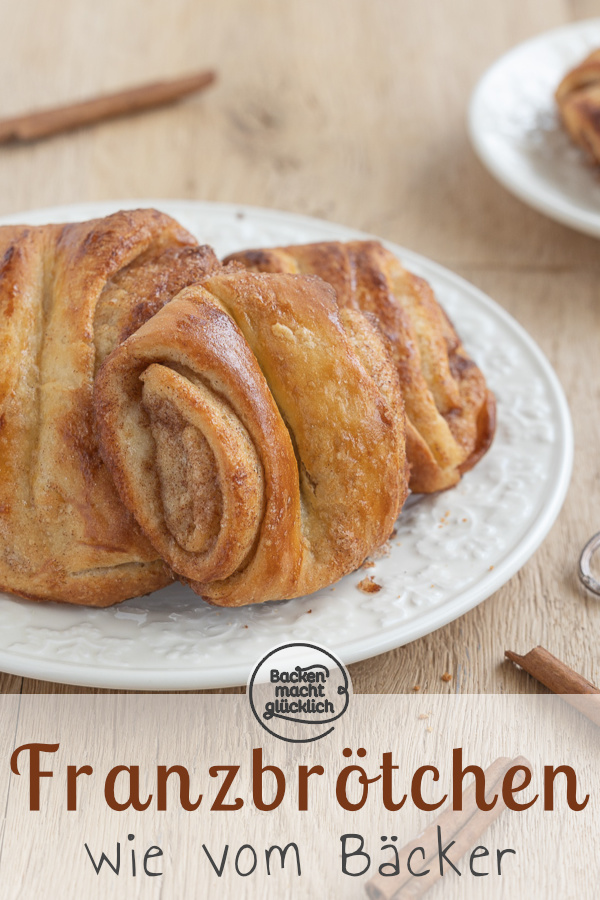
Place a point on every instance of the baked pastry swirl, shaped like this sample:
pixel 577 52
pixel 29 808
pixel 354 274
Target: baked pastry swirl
pixel 256 433
pixel 578 98
pixel 68 295
pixel 244 431
pixel 449 410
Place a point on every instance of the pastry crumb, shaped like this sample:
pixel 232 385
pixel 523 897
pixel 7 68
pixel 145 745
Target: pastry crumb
pixel 368 585
pixel 416 687
pixel 423 715
pixel 368 564
pixel 381 552
pixel 446 677
pixel 308 611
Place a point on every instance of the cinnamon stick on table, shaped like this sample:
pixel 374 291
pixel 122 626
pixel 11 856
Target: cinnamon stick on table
pixel 560 679
pixel 464 827
pixel 64 118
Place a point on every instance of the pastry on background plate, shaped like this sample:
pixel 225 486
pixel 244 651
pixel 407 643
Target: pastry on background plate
pixel 578 98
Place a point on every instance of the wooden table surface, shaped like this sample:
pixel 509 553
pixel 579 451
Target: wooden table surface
pixel 354 111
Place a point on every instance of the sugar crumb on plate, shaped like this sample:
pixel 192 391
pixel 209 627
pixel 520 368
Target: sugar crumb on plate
pixel 368 585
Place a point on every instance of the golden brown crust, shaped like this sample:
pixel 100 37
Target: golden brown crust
pixel 450 411
pixel 68 294
pixel 578 99
pixel 251 397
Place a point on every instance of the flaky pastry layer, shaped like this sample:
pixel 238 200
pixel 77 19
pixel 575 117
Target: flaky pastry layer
pixel 256 433
pixel 449 410
pixel 68 295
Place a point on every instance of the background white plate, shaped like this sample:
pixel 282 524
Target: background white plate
pixel 451 551
pixel 515 129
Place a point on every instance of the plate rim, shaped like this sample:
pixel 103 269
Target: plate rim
pixel 182 679
pixel 561 210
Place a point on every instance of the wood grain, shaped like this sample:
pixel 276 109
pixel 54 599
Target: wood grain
pixel 353 110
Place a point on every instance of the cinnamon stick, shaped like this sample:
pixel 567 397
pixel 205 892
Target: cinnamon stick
pixel 65 118
pixel 560 679
pixel 464 827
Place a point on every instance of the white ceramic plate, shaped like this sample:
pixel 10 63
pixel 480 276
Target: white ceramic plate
pixel 451 551
pixel 515 129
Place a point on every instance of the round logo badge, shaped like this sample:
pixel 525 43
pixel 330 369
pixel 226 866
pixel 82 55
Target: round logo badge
pixel 297 691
